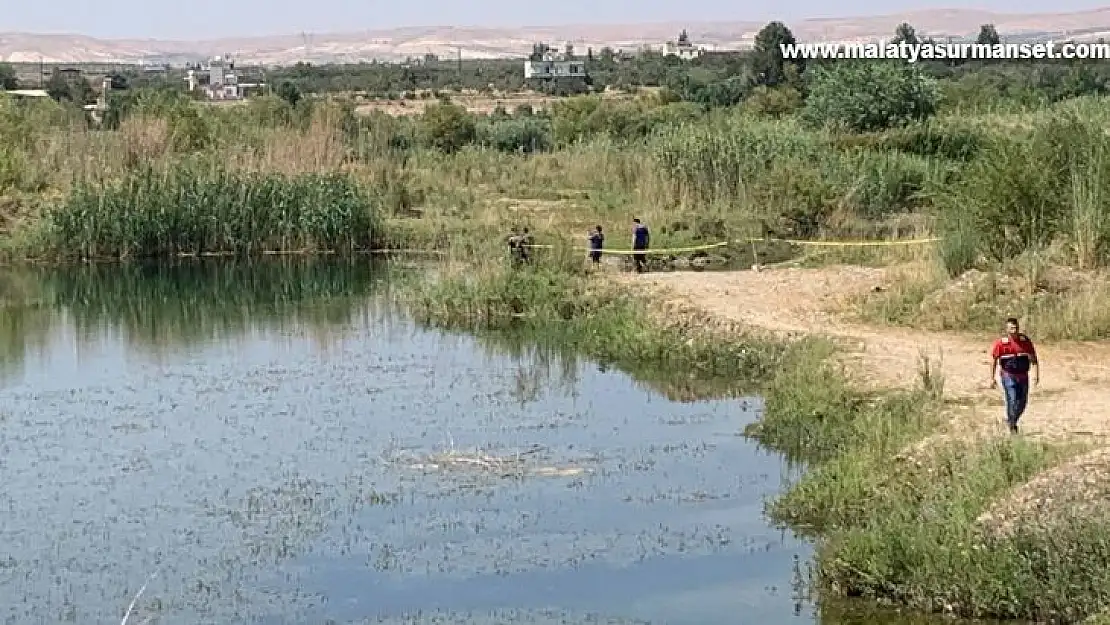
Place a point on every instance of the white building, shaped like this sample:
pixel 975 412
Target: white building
pixel 219 80
pixel 101 105
pixel 682 48
pixel 552 66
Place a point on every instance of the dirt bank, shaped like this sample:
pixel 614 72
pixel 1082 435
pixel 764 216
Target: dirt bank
pixel 1072 402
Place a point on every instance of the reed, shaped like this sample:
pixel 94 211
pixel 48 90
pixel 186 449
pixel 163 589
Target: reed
pixel 198 210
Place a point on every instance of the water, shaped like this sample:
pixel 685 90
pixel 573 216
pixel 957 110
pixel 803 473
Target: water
pixel 273 443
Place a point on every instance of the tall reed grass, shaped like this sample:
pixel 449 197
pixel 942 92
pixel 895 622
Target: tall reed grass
pixel 199 210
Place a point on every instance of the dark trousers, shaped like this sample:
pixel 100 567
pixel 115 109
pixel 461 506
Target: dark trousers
pixel 595 256
pixel 640 258
pixel 1017 396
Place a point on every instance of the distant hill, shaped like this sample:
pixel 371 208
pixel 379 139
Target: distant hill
pixel 509 42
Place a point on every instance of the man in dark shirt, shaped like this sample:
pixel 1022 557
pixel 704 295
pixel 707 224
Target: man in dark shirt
pixel 597 241
pixel 640 241
pixel 514 245
pixel 525 245
pixel 1015 355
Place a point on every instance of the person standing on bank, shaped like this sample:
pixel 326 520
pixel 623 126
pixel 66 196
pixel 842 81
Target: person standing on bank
pixel 597 242
pixel 640 240
pixel 527 241
pixel 1015 355
pixel 514 245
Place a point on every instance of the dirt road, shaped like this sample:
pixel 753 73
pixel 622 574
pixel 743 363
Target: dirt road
pixel 1072 400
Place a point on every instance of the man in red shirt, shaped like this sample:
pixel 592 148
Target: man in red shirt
pixel 1015 354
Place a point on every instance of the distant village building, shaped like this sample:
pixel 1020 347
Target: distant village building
pixel 101 105
pixel 26 93
pixel 682 48
pixel 218 80
pixel 546 64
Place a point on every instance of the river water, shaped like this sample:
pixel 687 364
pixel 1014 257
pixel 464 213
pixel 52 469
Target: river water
pixel 275 443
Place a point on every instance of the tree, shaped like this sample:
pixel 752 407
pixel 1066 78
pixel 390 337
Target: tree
pixel 119 82
pixel 289 92
pixel 988 35
pixel 76 90
pixel 905 33
pixel 767 59
pixel 869 95
pixel 447 127
pixel 7 77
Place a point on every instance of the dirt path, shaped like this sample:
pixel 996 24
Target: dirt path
pixel 1072 400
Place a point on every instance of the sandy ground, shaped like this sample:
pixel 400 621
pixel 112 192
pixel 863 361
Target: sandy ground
pixel 1072 401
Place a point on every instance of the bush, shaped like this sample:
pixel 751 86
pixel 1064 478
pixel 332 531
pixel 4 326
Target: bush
pixel 1032 189
pixel 526 134
pixel 868 95
pixel 447 127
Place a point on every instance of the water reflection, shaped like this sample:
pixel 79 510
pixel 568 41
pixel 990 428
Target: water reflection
pixel 160 308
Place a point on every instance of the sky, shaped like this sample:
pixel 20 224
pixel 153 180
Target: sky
pixel 208 19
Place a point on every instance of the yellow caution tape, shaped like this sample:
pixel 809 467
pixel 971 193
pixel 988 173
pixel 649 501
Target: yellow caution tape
pixel 846 243
pixel 672 250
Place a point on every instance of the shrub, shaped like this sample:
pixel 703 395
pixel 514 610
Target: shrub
pixel 868 95
pixel 447 127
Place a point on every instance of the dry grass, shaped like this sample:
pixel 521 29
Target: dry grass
pixel 475 102
pixel 1053 301
pixel 1079 488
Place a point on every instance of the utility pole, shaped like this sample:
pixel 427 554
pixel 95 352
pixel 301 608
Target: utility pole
pixel 460 61
pixel 42 71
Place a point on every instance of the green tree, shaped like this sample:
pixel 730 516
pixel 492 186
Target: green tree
pixel 289 92
pixel 905 33
pixel 447 127
pixel 988 35
pixel 767 60
pixel 119 82
pixel 76 90
pixel 7 77
pixel 869 95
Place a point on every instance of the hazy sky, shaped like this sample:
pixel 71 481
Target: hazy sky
pixel 203 19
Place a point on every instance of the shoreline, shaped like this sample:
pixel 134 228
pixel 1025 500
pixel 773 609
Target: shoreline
pixel 909 474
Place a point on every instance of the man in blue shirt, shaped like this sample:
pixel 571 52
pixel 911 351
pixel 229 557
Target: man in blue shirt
pixel 640 240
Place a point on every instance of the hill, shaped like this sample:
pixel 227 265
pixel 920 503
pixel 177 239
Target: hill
pixel 395 44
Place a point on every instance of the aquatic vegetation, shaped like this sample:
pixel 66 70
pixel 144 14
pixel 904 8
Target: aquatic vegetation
pixel 196 211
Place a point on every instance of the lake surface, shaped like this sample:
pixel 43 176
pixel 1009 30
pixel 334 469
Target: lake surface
pixel 275 443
